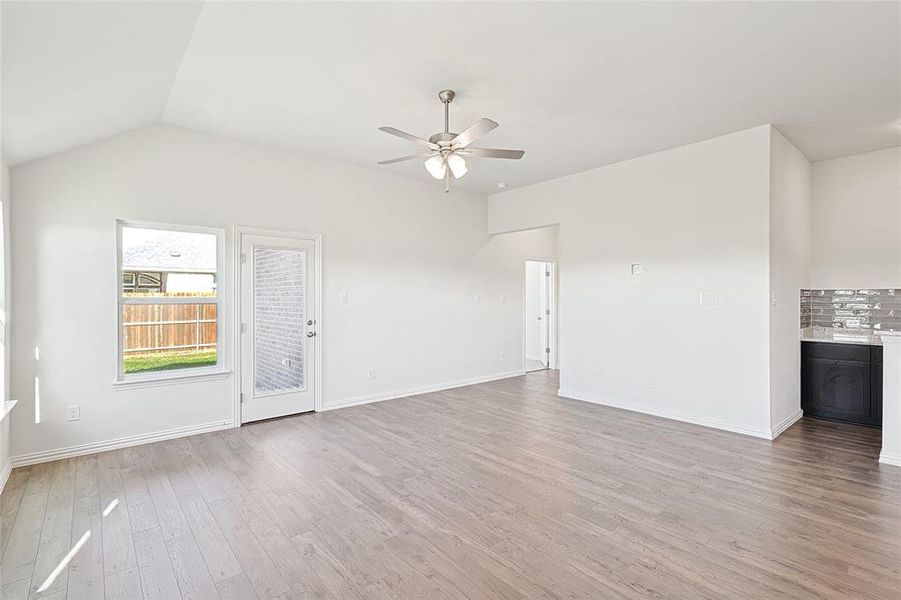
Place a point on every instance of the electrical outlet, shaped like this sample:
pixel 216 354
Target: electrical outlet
pixel 372 373
pixel 73 413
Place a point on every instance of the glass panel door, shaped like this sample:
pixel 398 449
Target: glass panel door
pixel 278 328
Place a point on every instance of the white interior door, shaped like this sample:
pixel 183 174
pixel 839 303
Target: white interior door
pixel 545 309
pixel 538 316
pixel 278 327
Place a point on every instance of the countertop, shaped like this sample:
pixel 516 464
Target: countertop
pixel 840 336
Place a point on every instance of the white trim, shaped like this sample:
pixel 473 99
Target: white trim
pixel 654 411
pixel 4 475
pixel 425 389
pixel 7 408
pixel 124 442
pixel 193 377
pixel 316 238
pixel 886 458
pixel 786 423
pixel 8 467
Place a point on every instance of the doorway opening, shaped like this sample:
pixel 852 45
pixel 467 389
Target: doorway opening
pixel 540 315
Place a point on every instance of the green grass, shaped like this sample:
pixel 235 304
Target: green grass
pixel 165 361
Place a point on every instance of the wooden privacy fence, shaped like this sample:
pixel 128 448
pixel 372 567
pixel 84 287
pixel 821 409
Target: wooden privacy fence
pixel 168 327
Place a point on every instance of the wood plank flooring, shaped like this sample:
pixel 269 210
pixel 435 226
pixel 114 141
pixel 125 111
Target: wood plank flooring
pixel 500 490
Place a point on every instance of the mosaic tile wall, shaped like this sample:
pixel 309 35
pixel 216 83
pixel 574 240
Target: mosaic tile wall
pixel 869 310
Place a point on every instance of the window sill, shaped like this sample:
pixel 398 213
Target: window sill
pixel 129 384
pixel 6 408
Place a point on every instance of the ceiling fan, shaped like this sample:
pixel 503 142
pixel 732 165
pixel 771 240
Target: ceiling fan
pixel 446 153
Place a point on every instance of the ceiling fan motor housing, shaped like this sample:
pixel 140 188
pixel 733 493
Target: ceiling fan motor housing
pixel 443 139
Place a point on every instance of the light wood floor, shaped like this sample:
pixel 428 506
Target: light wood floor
pixel 499 490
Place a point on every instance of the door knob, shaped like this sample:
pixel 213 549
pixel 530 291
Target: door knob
pixel 311 334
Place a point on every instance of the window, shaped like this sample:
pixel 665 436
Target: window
pixel 169 300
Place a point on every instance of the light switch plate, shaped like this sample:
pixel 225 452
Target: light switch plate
pixel 708 298
pixel 73 413
pixel 342 297
pixel 637 269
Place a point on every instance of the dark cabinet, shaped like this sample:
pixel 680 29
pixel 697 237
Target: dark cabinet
pixel 842 382
pixel 876 382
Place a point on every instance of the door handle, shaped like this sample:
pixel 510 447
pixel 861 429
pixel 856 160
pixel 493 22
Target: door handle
pixel 311 334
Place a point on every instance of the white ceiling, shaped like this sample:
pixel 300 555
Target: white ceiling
pixel 576 85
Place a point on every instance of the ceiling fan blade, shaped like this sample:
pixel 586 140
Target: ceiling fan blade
pixel 408 136
pixel 477 130
pixel 403 158
pixel 493 153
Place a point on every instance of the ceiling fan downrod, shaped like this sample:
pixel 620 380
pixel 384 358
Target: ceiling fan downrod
pixel 446 96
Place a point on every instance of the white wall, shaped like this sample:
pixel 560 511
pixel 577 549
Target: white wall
pixel 789 273
pixel 5 329
pixel 856 221
pixel 4 307
pixel 423 276
pixel 697 218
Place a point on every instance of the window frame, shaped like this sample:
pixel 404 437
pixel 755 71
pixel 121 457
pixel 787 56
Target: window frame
pixel 211 371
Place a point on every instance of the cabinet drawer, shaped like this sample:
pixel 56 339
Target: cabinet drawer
pixel 847 352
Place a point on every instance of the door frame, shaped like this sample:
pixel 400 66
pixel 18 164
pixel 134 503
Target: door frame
pixel 553 362
pixel 239 232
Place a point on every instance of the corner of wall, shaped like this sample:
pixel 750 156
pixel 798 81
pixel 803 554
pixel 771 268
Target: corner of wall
pixel 789 264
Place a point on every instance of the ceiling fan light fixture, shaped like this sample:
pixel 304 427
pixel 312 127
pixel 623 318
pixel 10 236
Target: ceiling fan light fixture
pixel 447 151
pixel 436 166
pixel 457 165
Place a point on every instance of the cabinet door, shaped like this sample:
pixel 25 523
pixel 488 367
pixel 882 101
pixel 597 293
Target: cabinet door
pixel 837 389
pixel 876 384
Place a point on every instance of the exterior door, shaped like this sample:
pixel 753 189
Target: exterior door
pixel 278 327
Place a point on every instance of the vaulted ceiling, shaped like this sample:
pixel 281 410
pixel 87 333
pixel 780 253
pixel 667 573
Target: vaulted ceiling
pixel 576 85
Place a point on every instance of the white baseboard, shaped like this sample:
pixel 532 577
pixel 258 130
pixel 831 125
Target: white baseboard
pixel 666 414
pixel 786 423
pixel 418 390
pixel 887 458
pixel 4 476
pixel 23 460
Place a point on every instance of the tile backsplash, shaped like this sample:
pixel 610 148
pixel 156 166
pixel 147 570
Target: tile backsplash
pixel 863 309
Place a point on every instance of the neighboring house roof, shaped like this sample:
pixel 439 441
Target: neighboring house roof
pixel 170 251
